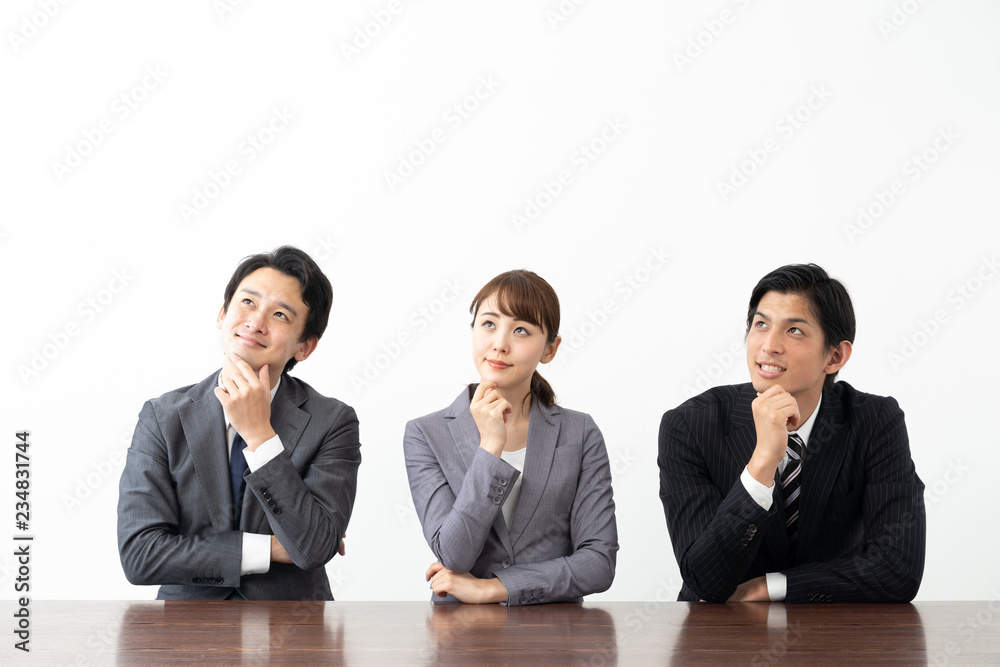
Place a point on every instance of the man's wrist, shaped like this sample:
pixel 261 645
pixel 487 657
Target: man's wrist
pixel 257 438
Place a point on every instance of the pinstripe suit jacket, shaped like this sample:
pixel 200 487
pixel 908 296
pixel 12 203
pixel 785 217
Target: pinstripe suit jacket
pixel 862 526
pixel 563 538
pixel 175 501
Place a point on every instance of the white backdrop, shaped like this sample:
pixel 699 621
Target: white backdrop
pixel 651 160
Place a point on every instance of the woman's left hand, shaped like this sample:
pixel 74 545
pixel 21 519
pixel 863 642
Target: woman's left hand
pixel 464 586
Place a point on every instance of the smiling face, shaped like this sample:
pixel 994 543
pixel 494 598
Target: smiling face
pixel 264 321
pixel 506 350
pixel 786 346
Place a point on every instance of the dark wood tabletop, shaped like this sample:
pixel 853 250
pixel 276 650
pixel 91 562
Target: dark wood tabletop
pixel 85 633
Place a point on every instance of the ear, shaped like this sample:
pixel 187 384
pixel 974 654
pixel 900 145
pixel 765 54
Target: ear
pixel 306 348
pixel 839 355
pixel 550 350
pixel 221 317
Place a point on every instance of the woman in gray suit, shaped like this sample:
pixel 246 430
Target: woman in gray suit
pixel 513 491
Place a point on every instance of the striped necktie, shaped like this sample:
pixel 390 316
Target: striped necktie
pixel 791 478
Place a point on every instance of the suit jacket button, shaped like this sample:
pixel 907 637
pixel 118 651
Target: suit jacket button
pixel 752 529
pixel 272 504
pixel 743 542
pixel 496 500
pixel 524 600
pixel 277 510
pixel 503 482
pixel 263 489
pixel 506 562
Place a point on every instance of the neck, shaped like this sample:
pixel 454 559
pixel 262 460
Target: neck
pixel 520 402
pixel 807 405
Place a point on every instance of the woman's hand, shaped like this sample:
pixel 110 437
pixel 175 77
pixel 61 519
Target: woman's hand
pixel 490 412
pixel 464 586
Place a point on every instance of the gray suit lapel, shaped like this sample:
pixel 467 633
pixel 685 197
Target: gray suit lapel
pixel 465 433
pixel 205 432
pixel 543 433
pixel 824 457
pixel 289 421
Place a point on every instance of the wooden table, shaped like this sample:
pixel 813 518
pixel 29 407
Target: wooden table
pixel 420 633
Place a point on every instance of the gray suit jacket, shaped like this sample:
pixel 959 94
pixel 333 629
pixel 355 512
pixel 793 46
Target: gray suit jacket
pixel 563 538
pixel 175 505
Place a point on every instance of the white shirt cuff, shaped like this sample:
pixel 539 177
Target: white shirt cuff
pixel 256 554
pixel 762 495
pixel 777 586
pixel 267 451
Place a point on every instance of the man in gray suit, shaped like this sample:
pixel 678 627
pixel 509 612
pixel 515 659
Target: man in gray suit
pixel 241 486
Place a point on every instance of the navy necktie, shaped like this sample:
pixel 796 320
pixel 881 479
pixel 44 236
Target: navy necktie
pixel 237 467
pixel 791 478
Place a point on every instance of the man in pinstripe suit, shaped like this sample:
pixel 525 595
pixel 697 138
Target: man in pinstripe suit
pixel 855 529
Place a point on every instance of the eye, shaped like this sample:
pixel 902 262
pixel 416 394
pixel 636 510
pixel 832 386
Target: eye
pixel 760 324
pixel 522 330
pixel 281 315
pixel 488 324
pixel 795 330
pixel 247 301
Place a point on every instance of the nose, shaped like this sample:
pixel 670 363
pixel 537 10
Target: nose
pixel 255 321
pixel 500 344
pixel 772 342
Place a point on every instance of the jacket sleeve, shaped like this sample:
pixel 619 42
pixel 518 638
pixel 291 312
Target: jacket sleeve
pixel 308 510
pixel 715 535
pixel 153 548
pixel 456 526
pixel 589 527
pixel 889 564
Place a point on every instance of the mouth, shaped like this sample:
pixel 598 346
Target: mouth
pixel 250 342
pixel 497 365
pixel 770 371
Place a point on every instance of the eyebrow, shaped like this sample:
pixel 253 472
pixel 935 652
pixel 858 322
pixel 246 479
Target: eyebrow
pixel 281 304
pixel 790 320
pixel 492 314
